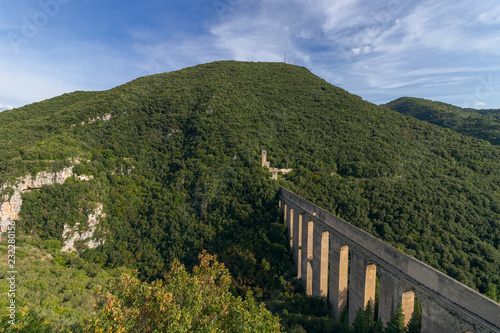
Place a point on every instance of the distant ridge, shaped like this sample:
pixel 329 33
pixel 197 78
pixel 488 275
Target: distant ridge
pixel 482 124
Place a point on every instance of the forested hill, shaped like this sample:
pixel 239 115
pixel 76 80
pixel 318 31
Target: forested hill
pixel 482 124
pixel 175 160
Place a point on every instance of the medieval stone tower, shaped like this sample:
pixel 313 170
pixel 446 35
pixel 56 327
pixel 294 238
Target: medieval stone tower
pixel 265 163
pixel 274 171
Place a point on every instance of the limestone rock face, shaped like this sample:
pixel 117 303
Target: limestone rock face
pixel 71 235
pixel 11 206
pixel 104 117
pixel 85 177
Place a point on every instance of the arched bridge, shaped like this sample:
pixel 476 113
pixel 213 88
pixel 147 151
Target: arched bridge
pixel 337 261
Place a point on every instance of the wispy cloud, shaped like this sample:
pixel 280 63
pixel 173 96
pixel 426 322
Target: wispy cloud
pixel 5 107
pixel 417 45
pixel 378 50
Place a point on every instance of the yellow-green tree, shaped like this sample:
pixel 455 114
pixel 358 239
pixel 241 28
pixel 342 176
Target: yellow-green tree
pixel 184 302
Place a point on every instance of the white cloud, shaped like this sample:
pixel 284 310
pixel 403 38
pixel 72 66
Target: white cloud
pixel 361 50
pixel 356 51
pixel 490 17
pixel 480 104
pixel 5 107
pixel 401 47
pixel 158 56
pixel 264 35
pixel 370 48
pixel 341 14
pixel 457 28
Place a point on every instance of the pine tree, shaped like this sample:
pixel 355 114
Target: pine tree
pixel 359 325
pixel 379 327
pixel 344 321
pixel 414 325
pixel 363 322
pixel 396 324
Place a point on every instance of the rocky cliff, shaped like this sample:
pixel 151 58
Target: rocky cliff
pixel 75 234
pixel 11 204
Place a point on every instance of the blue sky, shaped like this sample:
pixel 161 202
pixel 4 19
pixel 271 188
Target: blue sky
pixel 447 51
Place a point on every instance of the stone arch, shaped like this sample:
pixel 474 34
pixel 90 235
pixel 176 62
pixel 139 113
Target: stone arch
pixel 325 251
pixel 284 212
pixel 309 281
pixel 300 232
pixel 408 304
pixel 343 279
pixel 370 285
pixel 299 263
pixel 310 240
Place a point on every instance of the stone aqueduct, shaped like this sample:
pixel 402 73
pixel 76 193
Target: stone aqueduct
pixel 340 262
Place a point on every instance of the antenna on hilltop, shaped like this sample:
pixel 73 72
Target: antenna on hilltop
pixel 285 59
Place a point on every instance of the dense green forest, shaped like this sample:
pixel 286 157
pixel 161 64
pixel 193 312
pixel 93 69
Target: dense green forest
pixel 482 124
pixel 175 160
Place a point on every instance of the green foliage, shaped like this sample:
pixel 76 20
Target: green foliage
pixel 482 124
pixel 396 323
pixel 177 170
pixel 300 313
pixel 54 290
pixel 379 327
pixel 184 302
pixel 363 321
pixel 45 211
pixel 27 321
pixel 52 244
pixel 492 292
pixel 344 321
pixel 415 323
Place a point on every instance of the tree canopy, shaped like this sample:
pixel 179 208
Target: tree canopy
pixel 200 301
pixel 175 162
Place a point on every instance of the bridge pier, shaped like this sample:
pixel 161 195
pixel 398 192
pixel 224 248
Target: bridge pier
pixel 310 257
pixel 339 274
pixel 303 259
pixel 388 295
pixel 317 231
pixel 297 249
pixel 362 284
